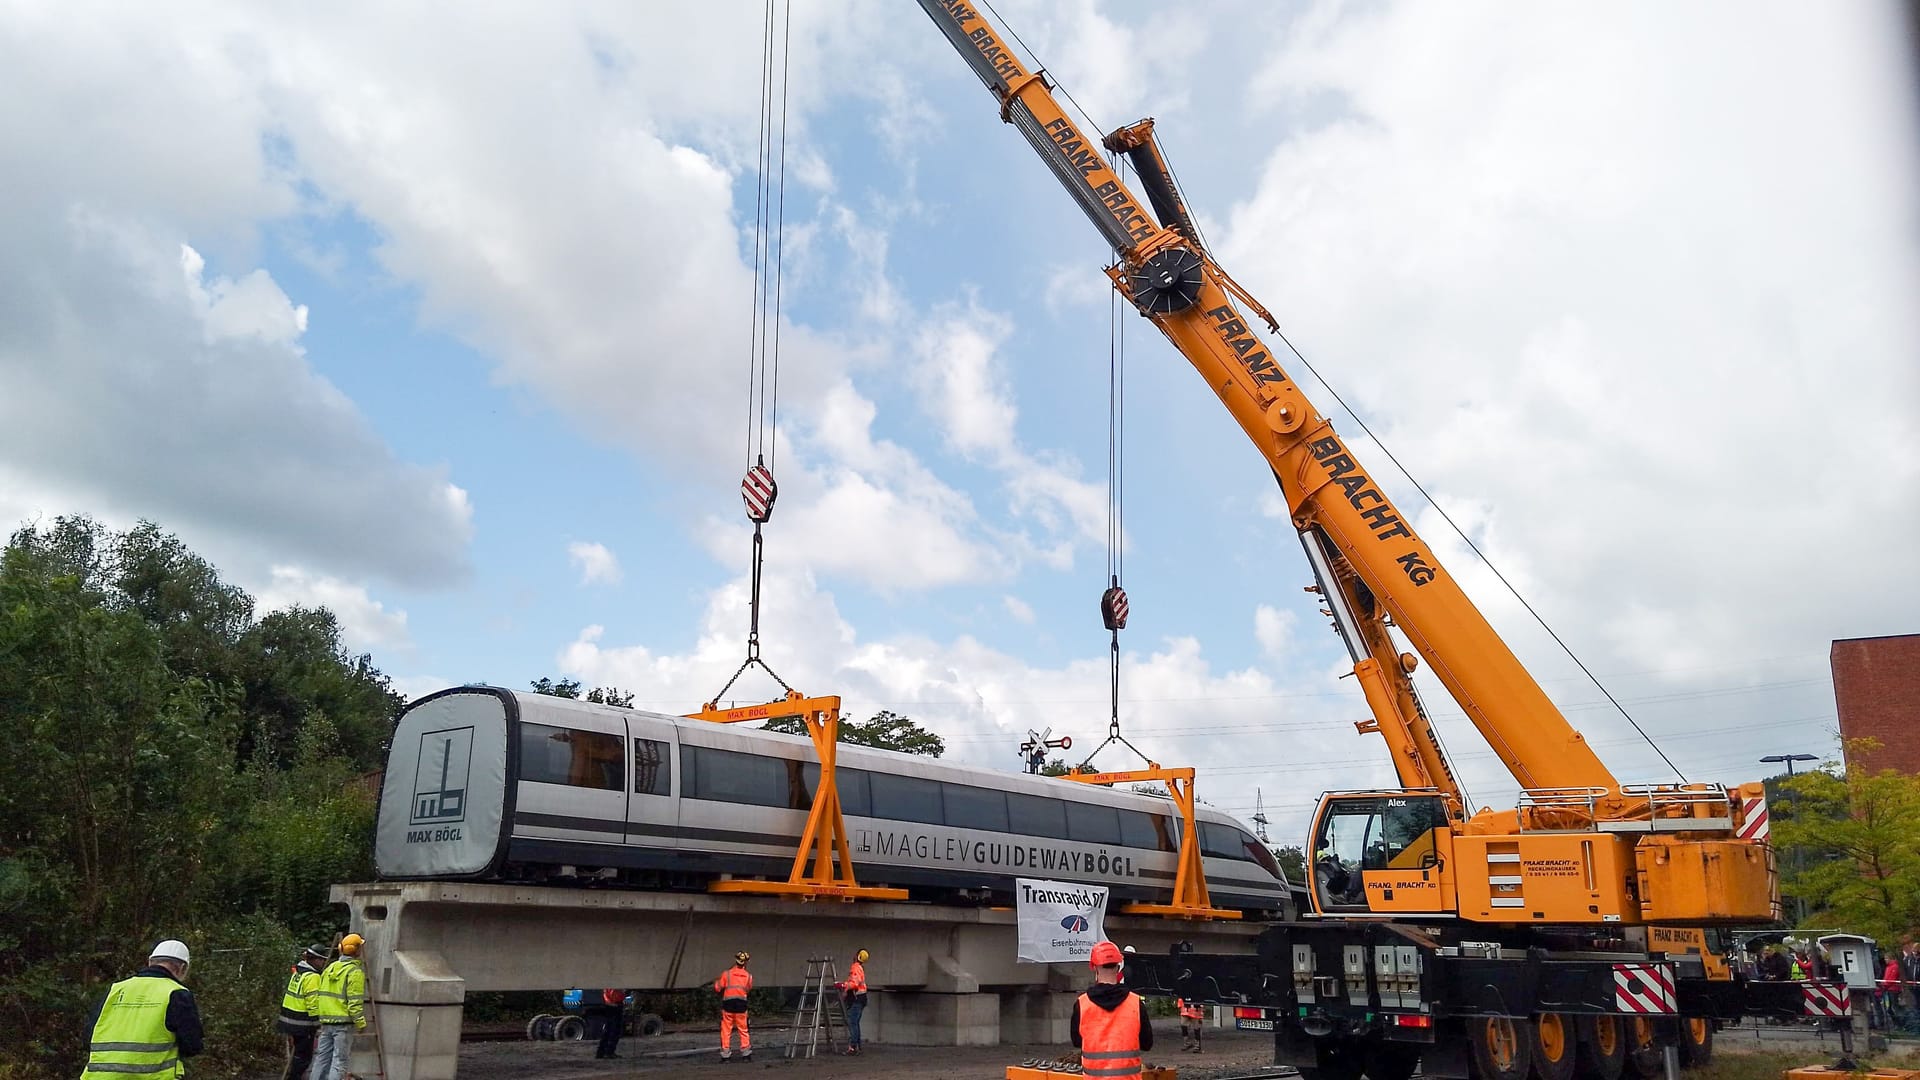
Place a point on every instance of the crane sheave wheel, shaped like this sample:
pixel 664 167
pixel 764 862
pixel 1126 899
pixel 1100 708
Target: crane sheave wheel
pixel 1167 282
pixel 1644 1058
pixel 1502 1048
pixel 1391 1061
pixel 1602 1053
pixel 1554 1039
pixel 1696 1041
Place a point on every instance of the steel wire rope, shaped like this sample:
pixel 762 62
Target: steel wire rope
pixel 1468 540
pixel 780 241
pixel 756 417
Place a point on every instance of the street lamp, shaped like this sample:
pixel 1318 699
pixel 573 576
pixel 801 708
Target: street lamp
pixel 1793 802
pixel 1774 759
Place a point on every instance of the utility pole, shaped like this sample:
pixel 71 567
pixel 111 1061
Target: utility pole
pixel 1793 804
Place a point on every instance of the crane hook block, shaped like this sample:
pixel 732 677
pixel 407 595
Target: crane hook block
pixel 1113 608
pixel 758 491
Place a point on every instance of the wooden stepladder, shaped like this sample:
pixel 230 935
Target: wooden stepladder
pixel 820 1009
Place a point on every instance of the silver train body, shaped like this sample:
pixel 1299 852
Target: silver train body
pixel 498 784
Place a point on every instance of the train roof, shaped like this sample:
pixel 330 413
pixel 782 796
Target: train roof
pixel 545 708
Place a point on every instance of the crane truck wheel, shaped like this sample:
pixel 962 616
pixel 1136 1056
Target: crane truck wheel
pixel 1696 1041
pixel 1500 1047
pixel 1335 1060
pixel 1554 1040
pixel 1602 1051
pixel 1390 1061
pixel 1644 1057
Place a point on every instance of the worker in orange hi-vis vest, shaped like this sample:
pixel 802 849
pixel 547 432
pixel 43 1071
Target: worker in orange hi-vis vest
pixel 732 986
pixel 1190 1019
pixel 1110 1023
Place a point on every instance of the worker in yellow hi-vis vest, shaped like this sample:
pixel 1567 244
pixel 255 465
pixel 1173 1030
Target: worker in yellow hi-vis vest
pixel 147 1023
pixel 341 1007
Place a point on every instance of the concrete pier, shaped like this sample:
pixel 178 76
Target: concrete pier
pixel 943 976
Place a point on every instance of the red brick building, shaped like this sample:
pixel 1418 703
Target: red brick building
pixel 1876 685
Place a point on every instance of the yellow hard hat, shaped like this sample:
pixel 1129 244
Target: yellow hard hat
pixel 350 945
pixel 740 957
pixel 861 956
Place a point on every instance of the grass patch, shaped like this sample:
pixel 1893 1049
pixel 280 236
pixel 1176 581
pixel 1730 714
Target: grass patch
pixel 1771 1064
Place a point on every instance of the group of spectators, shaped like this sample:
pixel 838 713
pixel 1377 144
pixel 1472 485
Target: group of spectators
pixel 1896 994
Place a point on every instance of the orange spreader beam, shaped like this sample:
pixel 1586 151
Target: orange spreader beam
pixel 823 867
pixel 1190 898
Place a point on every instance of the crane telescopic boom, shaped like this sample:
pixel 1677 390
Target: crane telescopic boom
pixel 1581 847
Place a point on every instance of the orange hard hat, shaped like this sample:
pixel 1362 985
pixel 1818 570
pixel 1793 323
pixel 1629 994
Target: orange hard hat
pixel 1104 954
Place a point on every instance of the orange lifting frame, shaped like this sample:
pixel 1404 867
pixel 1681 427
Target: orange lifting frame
pixel 825 838
pixel 1190 899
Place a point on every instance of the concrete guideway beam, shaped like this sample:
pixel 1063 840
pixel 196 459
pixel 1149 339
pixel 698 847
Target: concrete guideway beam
pixel 949 974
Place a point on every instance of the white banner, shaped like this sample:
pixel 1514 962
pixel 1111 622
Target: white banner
pixel 1060 921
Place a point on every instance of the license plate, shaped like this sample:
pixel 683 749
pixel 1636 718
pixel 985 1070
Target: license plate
pixel 1253 1025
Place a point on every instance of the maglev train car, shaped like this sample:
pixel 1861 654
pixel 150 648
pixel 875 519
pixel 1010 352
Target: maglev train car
pixel 497 784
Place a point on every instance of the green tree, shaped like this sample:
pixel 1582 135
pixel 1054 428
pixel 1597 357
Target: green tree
pixel 174 768
pixel 1056 767
pixel 1860 850
pixel 885 731
pixel 1293 862
pixel 570 688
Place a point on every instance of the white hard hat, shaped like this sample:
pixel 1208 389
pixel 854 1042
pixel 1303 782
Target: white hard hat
pixel 170 950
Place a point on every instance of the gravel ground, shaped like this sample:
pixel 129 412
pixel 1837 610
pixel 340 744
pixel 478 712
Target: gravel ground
pixel 684 1053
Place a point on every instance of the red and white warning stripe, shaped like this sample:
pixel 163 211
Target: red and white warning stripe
pixel 1644 988
pixel 1825 999
pixel 758 492
pixel 1752 815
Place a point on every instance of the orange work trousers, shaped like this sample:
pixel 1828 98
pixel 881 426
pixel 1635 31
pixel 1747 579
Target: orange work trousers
pixel 731 1022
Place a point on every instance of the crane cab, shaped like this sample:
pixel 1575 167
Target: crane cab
pixel 1382 853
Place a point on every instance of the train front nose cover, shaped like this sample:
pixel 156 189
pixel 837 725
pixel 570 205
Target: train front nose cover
pixel 443 803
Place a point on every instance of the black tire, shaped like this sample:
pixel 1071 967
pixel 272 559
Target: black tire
pixel 1645 1058
pixel 543 1028
pixel 1499 1047
pixel 1602 1053
pixel 569 1029
pixel 1696 1041
pixel 1390 1061
pixel 1556 1042
pixel 650 1024
pixel 533 1026
pixel 1335 1061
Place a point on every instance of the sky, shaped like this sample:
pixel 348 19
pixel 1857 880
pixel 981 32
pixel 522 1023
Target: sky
pixel 446 325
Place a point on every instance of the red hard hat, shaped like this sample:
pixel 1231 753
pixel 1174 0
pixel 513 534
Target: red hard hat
pixel 1105 953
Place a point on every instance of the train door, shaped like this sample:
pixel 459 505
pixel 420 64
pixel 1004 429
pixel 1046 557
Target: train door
pixel 653 811
pixel 574 781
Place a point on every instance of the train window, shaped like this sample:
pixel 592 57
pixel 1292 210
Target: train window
pixel 1222 842
pixel 905 798
pixel 1091 824
pixel 856 797
pixel 1262 854
pixel 1136 830
pixel 1034 815
pixel 652 767
pixel 557 755
pixel 730 776
pixel 975 808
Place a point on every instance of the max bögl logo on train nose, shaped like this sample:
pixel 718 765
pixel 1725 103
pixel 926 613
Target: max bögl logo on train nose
pixel 440 776
pixel 1074 924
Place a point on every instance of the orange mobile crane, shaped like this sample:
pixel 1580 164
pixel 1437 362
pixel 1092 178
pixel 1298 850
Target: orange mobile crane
pixel 1567 929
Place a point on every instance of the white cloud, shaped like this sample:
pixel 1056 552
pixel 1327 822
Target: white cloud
pixel 1176 704
pixel 596 564
pixel 1618 330
pixel 1018 609
pixel 365 623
